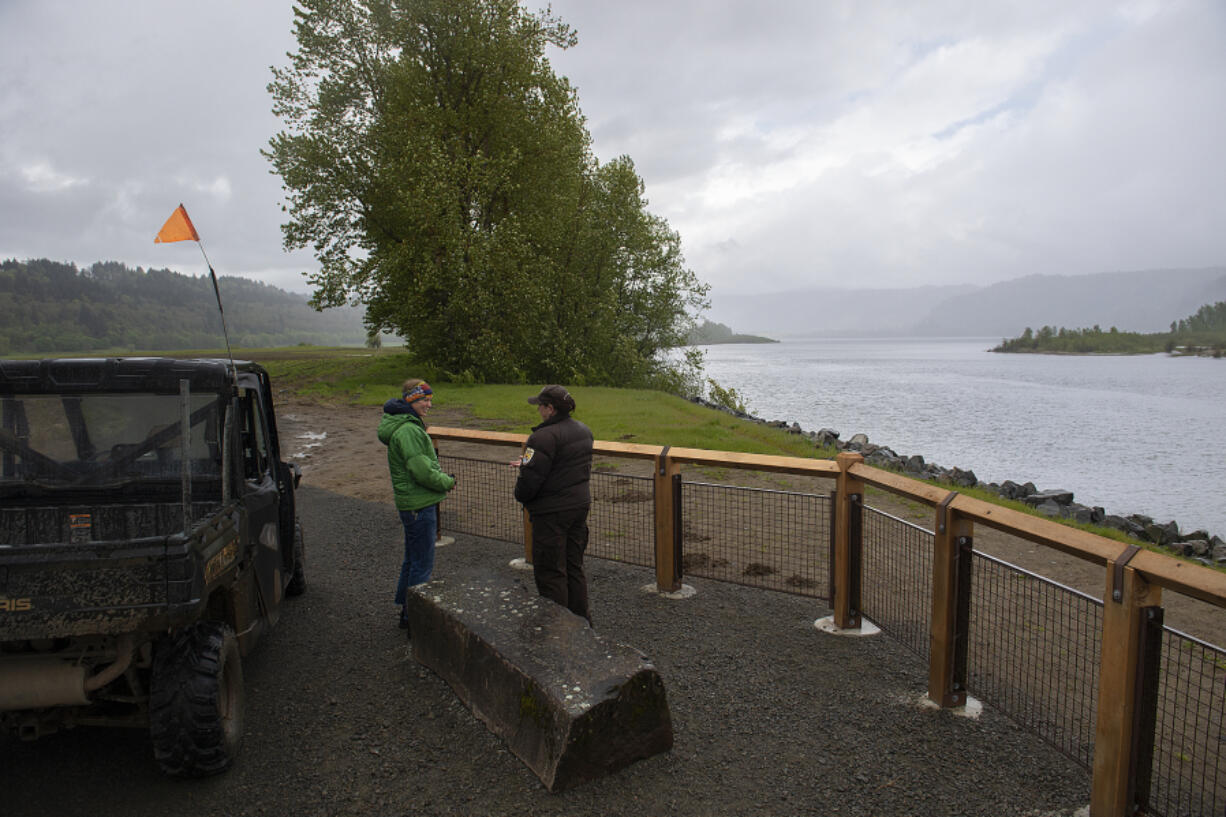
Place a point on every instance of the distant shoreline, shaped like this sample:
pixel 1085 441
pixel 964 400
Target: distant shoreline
pixel 1063 353
pixel 709 333
pixel 737 339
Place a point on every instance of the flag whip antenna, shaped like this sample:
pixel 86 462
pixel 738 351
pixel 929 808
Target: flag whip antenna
pixel 217 294
pixel 180 228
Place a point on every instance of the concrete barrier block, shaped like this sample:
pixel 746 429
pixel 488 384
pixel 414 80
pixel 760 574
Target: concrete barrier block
pixel 569 702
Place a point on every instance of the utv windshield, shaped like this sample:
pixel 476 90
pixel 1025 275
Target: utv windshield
pixel 103 440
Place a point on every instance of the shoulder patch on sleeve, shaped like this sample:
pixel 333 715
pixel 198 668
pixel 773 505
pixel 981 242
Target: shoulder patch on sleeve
pixel 528 452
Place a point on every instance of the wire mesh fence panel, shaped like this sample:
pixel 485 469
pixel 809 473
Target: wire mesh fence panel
pixel 896 578
pixel 779 540
pixel 1189 753
pixel 621 525
pixel 483 501
pixel 1033 653
pixel 1033 646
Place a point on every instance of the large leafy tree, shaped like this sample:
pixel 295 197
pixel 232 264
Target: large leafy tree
pixel 444 177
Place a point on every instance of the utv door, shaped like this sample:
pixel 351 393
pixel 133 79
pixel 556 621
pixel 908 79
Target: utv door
pixel 262 501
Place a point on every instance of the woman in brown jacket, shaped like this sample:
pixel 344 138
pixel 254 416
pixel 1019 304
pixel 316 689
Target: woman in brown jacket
pixel 554 474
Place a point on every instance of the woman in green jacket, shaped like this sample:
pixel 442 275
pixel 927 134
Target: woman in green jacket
pixel 417 482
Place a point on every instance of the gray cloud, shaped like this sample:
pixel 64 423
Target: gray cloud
pixel 113 114
pixel 790 143
pixel 919 143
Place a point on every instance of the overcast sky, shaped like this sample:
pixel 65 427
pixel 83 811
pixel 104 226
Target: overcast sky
pixel 791 143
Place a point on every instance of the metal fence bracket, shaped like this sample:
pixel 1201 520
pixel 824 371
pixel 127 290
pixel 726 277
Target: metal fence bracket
pixel 943 511
pixel 1117 576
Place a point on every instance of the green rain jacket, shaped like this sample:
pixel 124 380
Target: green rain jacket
pixel 417 480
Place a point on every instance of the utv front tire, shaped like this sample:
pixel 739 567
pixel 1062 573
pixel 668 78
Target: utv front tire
pixel 297 579
pixel 196 700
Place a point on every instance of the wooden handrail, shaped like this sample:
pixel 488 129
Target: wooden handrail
pixel 472 435
pixel 1193 580
pixel 1160 569
pixel 636 451
pixel 827 469
pixel 898 484
pixel 603 447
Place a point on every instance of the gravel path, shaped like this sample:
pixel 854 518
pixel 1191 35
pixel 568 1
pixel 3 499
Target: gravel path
pixel 770 716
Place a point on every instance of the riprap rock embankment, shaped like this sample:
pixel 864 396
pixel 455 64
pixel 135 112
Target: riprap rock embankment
pixel 1198 545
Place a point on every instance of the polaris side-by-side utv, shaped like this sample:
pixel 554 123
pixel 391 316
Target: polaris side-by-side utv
pixel 147 538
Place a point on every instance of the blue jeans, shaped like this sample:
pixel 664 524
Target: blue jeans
pixel 420 531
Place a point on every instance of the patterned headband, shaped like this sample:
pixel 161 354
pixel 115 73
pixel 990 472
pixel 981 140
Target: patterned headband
pixel 418 392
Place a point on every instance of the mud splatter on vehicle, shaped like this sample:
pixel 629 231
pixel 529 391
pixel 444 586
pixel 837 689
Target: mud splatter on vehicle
pixel 147 538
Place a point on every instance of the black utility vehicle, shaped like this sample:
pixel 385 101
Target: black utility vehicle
pixel 139 562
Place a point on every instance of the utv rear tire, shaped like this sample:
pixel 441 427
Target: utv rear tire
pixel 196 700
pixel 297 579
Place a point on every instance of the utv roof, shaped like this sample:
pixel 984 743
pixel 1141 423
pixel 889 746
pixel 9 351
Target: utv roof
pixel 117 374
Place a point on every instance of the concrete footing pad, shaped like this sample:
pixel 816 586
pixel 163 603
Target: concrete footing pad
pixel 866 628
pixel 685 592
pixel 972 709
pixel 570 703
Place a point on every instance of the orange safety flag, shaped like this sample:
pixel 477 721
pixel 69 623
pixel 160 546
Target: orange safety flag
pixel 177 228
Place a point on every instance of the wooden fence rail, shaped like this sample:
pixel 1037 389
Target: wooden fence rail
pixel 1134 579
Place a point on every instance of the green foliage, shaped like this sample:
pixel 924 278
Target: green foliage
pixel 1202 333
pixel 709 332
pixel 728 398
pixel 47 307
pixel 443 175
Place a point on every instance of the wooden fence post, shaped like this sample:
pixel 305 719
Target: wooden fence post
pixel 847 544
pixel 666 514
pixel 1124 628
pixel 951 596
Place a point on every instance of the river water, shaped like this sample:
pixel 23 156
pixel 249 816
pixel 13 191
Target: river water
pixel 1133 434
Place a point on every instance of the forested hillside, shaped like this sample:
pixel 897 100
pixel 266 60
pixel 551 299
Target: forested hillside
pixel 52 307
pixel 1137 301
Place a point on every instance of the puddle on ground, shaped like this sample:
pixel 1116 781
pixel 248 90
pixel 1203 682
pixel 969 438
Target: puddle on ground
pixel 314 439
